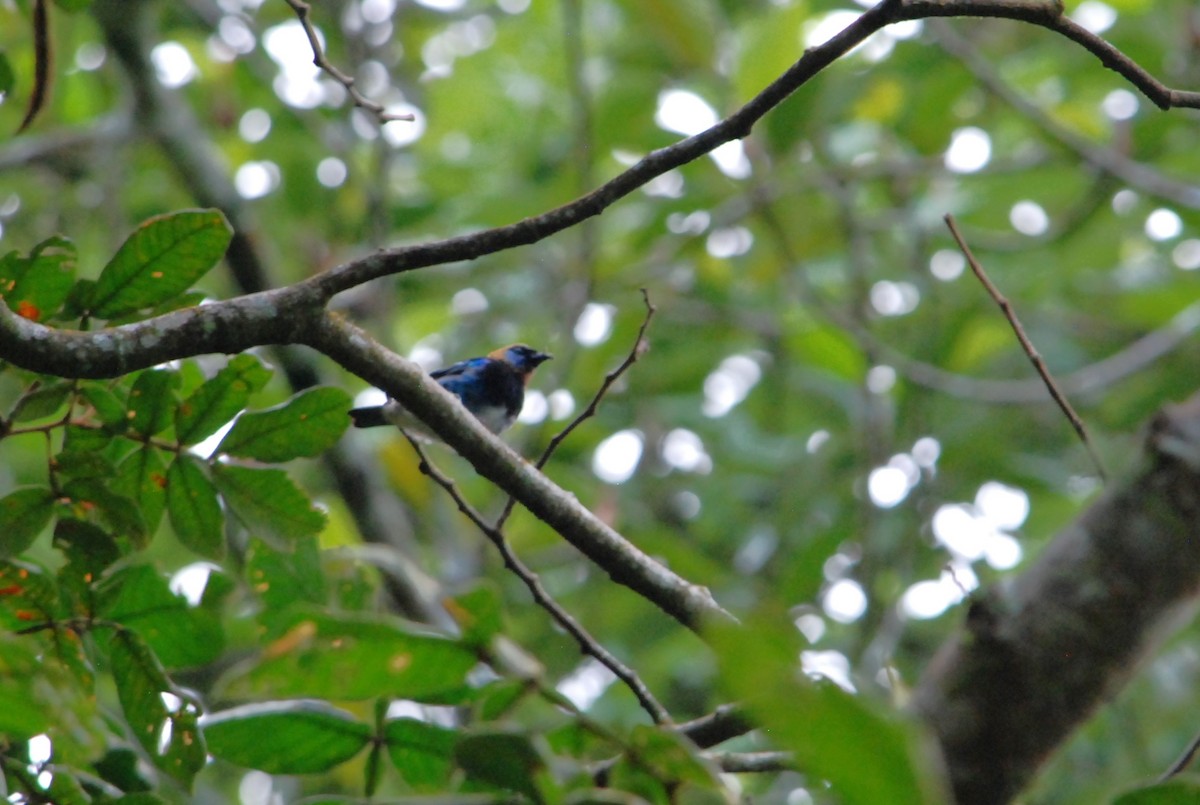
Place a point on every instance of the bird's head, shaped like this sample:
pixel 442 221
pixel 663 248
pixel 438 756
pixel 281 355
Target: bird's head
pixel 524 359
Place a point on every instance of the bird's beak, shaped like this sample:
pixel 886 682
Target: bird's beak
pixel 541 358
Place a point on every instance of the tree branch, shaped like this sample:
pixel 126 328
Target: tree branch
pixel 407 383
pixel 1037 658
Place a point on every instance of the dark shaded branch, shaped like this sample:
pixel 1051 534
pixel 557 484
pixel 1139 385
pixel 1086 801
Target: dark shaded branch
pixel 753 762
pixel 232 326
pixel 726 722
pixel 1037 658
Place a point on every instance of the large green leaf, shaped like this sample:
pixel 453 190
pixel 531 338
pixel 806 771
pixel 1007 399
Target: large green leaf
pixel 267 501
pixel 423 753
pixel 161 259
pixel 219 399
pixel 179 635
pixel 40 400
pixel 506 759
pixel 1178 791
pixel 306 425
pixel 829 730
pixel 169 734
pixel 193 508
pixel 344 657
pixel 292 737
pixel 285 576
pixel 23 515
pixel 22 713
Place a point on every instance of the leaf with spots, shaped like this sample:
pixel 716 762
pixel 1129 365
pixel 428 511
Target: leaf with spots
pixel 37 286
pixel 152 402
pixel 293 737
pixel 267 501
pixel 357 657
pixel 23 515
pixel 138 597
pixel 306 425
pixel 219 399
pixel 169 734
pixel 142 477
pixel 193 508
pixel 161 259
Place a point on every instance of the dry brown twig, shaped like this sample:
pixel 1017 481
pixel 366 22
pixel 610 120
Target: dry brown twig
pixel 381 114
pixel 1027 345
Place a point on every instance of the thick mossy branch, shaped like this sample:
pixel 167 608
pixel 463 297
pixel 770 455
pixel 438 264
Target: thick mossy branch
pixel 1036 658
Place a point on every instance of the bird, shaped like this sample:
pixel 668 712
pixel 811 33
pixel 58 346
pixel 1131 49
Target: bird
pixel 492 387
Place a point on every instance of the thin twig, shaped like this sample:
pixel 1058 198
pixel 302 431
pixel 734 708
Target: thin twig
pixel 1184 760
pixel 302 10
pixel 1027 345
pixel 640 345
pixel 587 644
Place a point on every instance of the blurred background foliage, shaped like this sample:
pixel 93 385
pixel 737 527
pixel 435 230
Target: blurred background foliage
pixel 832 418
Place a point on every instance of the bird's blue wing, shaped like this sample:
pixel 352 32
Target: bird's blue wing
pixel 457 377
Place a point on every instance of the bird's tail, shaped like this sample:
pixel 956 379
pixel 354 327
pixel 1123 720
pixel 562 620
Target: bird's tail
pixel 369 417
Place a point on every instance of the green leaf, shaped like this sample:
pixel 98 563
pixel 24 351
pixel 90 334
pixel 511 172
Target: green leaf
pixel 142 477
pixel 36 287
pixel 28 595
pixel 306 425
pixel 108 406
pixel 151 402
pixel 672 756
pixel 6 74
pixel 356 658
pixel 504 759
pixel 478 612
pixel 1176 791
pixel 286 576
pixel 40 401
pixel 73 6
pixel 89 551
pixel 423 753
pixel 180 636
pixel 295 737
pixel 119 766
pixel 140 682
pixel 828 730
pixel 22 713
pixel 23 515
pixel 161 259
pixel 219 399
pixel 193 508
pixel 266 500
pixel 93 496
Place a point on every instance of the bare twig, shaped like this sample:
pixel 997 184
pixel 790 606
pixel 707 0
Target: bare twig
pixel 302 10
pixel 587 644
pixel 1184 760
pixel 1027 345
pixel 639 346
